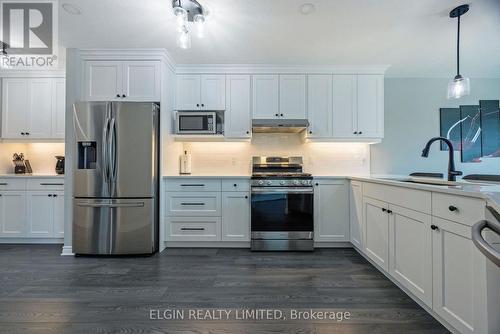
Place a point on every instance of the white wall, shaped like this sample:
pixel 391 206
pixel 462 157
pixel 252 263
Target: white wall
pixel 412 117
pixel 40 155
pixel 234 158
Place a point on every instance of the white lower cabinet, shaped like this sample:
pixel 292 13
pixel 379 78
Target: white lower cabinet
pixel 356 214
pixel 331 211
pixel 410 251
pixel 207 210
pixel 13 214
pixel 45 214
pixel 31 208
pixel 376 236
pixel 458 278
pixel 235 216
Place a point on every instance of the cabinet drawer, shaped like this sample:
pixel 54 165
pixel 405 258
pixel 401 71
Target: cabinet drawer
pixel 194 229
pixel 45 184
pixel 12 184
pixel 236 185
pixel 418 200
pixel 193 185
pixel 465 210
pixel 206 204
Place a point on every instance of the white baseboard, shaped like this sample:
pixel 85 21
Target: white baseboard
pixel 332 244
pixel 31 241
pixel 67 251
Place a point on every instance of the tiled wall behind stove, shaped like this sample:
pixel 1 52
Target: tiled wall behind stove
pixel 234 158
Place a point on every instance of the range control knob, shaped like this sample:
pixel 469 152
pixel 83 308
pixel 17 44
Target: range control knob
pixel 282 182
pixel 260 182
pixel 296 182
pixel 269 183
pixel 305 182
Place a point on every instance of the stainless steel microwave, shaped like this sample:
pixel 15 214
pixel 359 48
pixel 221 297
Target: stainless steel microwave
pixel 196 122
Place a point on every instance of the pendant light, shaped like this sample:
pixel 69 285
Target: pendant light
pixel 185 12
pixel 458 86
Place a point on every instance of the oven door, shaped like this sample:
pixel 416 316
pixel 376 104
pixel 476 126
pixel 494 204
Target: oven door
pixel 196 122
pixel 282 212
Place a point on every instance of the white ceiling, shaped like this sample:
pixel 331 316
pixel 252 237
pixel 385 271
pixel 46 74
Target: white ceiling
pixel 416 37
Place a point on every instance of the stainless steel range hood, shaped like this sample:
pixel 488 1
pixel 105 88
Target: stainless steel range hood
pixel 279 125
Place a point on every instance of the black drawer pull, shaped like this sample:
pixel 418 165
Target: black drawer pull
pixel 192 203
pixel 192 229
pixel 452 208
pixel 52 184
pixel 3 184
pixel 192 185
pixel 434 227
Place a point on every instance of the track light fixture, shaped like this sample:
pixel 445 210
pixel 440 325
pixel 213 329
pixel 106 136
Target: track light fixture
pixel 187 11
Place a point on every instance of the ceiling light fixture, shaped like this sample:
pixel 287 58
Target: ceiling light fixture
pixel 458 86
pixel 307 8
pixel 71 9
pixel 187 11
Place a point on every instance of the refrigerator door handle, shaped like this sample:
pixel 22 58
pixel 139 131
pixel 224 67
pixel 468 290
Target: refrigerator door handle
pixel 105 153
pixel 112 149
pixel 111 205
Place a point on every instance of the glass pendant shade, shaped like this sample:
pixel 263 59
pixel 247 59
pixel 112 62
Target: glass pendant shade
pixel 181 16
pixel 184 39
pixel 458 87
pixel 199 24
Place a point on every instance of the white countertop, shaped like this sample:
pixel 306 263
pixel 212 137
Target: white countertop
pixel 29 176
pixel 487 191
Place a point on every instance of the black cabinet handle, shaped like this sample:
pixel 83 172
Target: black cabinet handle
pixel 360 132
pixel 277 114
pixel 27 133
pixel 389 211
pixel 310 132
pixel 52 184
pixel 192 185
pixel 117 95
pixel 124 95
pixel 235 185
pixel 355 132
pixel 192 229
pixel 452 208
pixel 197 104
pixel 202 105
pixel 186 204
pixel 50 195
pixel 384 209
pixel 248 132
pixel 246 196
pixel 22 133
pixel 281 115
pixel 54 195
pixel 434 227
pixel 316 184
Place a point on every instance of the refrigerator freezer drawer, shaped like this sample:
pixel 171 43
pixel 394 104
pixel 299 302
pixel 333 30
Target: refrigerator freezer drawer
pixel 113 226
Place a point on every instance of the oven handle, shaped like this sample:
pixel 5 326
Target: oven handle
pixel 282 190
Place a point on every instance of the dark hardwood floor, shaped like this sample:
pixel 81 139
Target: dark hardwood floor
pixel 42 292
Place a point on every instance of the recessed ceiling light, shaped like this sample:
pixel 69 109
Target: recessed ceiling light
pixel 71 9
pixel 307 8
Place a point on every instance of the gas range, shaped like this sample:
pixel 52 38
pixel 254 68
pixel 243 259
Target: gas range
pixel 282 205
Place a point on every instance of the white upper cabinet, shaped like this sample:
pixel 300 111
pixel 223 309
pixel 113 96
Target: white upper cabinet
pixel 39 117
pixel 122 81
pixel 238 114
pixel 370 106
pixel 331 210
pixel 15 107
pixel 33 108
pixel 142 80
pixel 292 96
pixel 265 96
pixel 59 108
pixel 103 80
pixel 320 105
pixel 213 92
pixel 344 106
pixel 201 92
pixel 188 92
pixel 358 106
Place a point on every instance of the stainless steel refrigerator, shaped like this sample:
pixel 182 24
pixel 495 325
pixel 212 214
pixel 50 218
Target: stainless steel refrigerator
pixel 116 187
